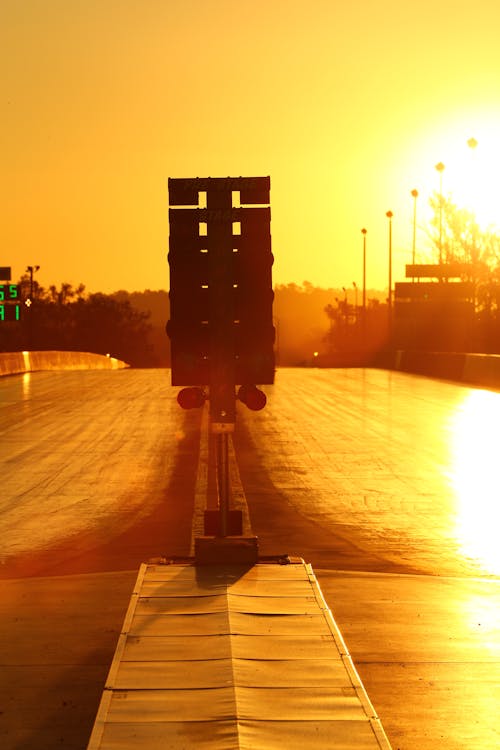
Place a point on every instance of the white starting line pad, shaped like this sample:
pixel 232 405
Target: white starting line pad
pixel 232 657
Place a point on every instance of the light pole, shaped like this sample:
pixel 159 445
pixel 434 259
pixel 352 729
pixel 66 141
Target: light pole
pixel 363 232
pixel 440 168
pixel 389 215
pixel 355 299
pixel 32 270
pixel 473 176
pixel 414 245
pixel 472 144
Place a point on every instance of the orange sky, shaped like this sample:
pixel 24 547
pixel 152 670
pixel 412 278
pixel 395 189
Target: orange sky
pixel 347 105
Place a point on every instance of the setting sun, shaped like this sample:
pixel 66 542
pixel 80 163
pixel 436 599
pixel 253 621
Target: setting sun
pixel 472 172
pixel 347 108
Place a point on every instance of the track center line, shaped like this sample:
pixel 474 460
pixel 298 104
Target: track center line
pixel 201 486
pixel 238 499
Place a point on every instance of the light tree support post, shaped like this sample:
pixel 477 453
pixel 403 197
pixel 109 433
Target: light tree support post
pixel 221 328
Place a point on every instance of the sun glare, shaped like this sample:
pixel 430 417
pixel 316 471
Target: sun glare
pixel 467 144
pixel 475 431
pixel 471 155
pixel 475 180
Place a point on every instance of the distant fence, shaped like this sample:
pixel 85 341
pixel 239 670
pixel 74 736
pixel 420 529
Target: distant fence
pixel 18 362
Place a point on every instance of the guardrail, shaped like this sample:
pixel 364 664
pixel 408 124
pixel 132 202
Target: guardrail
pixel 473 369
pixel 12 363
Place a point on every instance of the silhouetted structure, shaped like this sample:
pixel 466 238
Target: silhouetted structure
pixel 220 326
pixel 435 315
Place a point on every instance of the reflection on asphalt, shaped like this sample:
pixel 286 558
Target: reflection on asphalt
pixel 474 477
pixel 403 464
pixel 83 452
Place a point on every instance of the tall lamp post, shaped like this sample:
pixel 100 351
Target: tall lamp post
pixel 389 215
pixel 32 270
pixel 440 168
pixel 414 244
pixel 472 144
pixel 473 176
pixel 363 232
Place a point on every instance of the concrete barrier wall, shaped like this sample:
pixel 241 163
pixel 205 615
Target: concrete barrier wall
pixel 473 369
pixel 12 362
pixel 482 370
pixel 17 362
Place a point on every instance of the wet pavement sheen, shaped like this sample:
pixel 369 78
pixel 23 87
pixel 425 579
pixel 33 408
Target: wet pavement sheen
pixel 406 466
pixel 386 482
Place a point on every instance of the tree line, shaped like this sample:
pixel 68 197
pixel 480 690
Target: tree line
pixel 308 320
pixel 66 318
pixel 456 235
pixel 459 308
pixel 131 325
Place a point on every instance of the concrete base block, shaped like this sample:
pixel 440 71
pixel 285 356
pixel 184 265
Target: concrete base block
pixel 227 550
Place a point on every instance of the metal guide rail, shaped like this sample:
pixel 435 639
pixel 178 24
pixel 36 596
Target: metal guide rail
pixel 230 657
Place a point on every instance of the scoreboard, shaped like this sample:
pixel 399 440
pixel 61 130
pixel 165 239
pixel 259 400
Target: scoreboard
pixel 9 292
pixel 10 305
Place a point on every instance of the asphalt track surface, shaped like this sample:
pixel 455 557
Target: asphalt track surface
pixel 387 483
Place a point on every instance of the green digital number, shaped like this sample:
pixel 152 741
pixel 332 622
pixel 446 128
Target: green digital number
pixel 8 291
pixel 10 312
